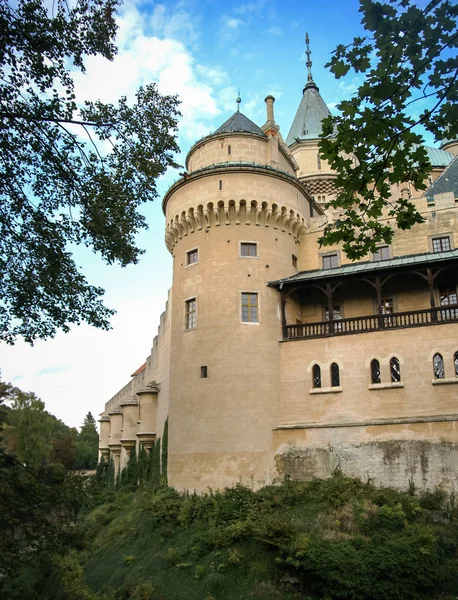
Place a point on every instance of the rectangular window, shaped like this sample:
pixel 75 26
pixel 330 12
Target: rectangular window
pixel 192 256
pixel 337 316
pixel 448 296
pixel 441 244
pixel 387 306
pixel 294 260
pixel 229 149
pixel 382 253
pixel 248 249
pixel 190 313
pixel 204 372
pixel 249 307
pixel 220 184
pixel 330 261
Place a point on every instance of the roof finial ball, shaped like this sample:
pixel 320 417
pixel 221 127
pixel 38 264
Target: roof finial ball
pixel 309 62
pixel 238 100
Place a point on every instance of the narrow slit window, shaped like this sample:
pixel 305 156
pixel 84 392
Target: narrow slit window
pixel 455 362
pixel 204 372
pixel 294 260
pixel 229 149
pixel 249 307
pixel 316 373
pixel 220 184
pixel 438 366
pixel 335 375
pixel 395 370
pixel 375 371
pixel 191 313
pixel 312 213
pixel 318 161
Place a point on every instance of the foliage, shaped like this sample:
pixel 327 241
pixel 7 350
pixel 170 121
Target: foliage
pixel 375 143
pixel 88 444
pixel 71 171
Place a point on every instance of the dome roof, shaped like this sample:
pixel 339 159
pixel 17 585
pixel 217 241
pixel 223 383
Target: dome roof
pixel 238 122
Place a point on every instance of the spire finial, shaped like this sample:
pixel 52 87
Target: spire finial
pixel 309 62
pixel 238 100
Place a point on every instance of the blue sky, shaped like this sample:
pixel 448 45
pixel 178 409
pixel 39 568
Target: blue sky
pixel 203 50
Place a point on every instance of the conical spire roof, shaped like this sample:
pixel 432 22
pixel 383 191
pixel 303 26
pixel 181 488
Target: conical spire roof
pixel 238 122
pixel 312 109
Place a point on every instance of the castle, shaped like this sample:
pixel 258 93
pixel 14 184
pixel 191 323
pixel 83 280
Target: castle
pixel 275 357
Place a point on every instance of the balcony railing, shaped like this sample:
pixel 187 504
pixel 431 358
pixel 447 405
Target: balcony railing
pixel 400 320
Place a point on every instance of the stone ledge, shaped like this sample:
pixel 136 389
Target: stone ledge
pixel 445 381
pixel 326 390
pixel 386 386
pixel 370 422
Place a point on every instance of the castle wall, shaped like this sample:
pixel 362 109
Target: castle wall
pixel 354 426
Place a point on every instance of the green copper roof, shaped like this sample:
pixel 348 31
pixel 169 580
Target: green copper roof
pixel 238 122
pixel 307 122
pixel 367 267
pixel 438 158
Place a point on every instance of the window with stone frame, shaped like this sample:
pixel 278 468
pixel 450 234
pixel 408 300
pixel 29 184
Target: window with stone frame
pixel 395 370
pixel 438 366
pixel 248 249
pixel 316 376
pixel 375 371
pixel 330 261
pixel 335 375
pixel 191 313
pixel 249 307
pixel 382 253
pixel 192 257
pixel 441 244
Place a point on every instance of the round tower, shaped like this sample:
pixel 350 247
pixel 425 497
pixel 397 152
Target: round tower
pixel 233 222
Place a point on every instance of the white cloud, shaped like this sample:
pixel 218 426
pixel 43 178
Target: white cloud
pixel 229 28
pixel 274 30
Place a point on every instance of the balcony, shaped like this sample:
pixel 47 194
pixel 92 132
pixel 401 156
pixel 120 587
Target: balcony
pixel 365 324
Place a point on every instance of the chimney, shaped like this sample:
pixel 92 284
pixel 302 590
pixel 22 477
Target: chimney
pixel 269 100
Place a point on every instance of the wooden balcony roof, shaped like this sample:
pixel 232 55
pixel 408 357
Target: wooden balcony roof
pixel 397 264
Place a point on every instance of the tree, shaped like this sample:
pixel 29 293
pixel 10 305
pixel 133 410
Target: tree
pixel 59 185
pixel 376 141
pixel 87 444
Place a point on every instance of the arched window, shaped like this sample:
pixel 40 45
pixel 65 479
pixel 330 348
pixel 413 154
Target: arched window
pixel 455 361
pixel 316 372
pixel 438 366
pixel 395 370
pixel 335 375
pixel 375 371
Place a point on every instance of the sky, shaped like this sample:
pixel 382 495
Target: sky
pixel 205 51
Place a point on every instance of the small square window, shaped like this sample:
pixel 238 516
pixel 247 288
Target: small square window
pixel 441 244
pixel 382 253
pixel 330 261
pixel 248 249
pixel 294 260
pixel 191 313
pixel 192 256
pixel 249 307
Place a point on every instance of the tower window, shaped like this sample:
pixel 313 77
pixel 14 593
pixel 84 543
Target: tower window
pixel 311 209
pixel 248 249
pixel 191 313
pixel 192 256
pixel 316 374
pixel 294 260
pixel 318 161
pixel 375 371
pixel 249 307
pixel 229 149
pixel 438 366
pixel 395 370
pixel 335 375
pixel 220 184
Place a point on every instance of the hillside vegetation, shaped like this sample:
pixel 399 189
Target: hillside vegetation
pixel 320 540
